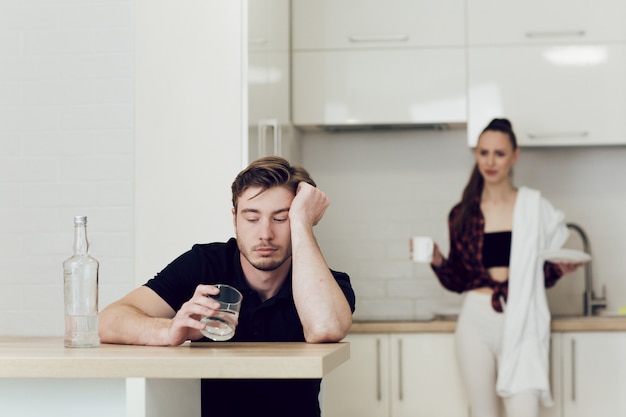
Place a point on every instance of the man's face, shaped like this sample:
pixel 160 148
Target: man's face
pixel 262 227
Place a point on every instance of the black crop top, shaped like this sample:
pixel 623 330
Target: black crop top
pixel 496 249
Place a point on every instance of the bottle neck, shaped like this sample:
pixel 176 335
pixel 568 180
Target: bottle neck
pixel 81 246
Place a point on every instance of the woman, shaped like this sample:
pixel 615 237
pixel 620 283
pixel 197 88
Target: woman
pixel 496 235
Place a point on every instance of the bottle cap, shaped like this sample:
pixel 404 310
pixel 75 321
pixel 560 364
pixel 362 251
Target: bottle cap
pixel 80 219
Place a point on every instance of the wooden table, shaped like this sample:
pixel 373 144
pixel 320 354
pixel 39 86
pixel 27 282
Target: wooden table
pixel 36 357
pixel 155 381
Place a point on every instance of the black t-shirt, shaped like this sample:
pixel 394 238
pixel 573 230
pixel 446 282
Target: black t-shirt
pixel 275 320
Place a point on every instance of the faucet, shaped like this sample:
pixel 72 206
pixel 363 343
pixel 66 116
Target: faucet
pixel 591 303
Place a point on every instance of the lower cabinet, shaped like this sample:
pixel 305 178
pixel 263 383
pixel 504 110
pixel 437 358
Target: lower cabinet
pixel 593 374
pixel 396 375
pixel 415 374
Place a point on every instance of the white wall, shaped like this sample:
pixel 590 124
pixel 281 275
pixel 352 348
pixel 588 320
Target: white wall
pixel 66 148
pixel 386 187
pixel 189 125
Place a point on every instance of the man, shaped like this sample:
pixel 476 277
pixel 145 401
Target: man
pixel 289 292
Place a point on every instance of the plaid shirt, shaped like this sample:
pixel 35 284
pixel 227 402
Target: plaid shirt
pixel 464 270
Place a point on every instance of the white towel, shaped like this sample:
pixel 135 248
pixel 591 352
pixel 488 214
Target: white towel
pixel 537 226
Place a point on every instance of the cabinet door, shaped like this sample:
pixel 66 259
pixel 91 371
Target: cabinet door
pixel 379 87
pixel 268 86
pixel 594 374
pixel 498 22
pixel 570 95
pixel 268 25
pixel 269 129
pixel 332 24
pixel 359 387
pixel 425 379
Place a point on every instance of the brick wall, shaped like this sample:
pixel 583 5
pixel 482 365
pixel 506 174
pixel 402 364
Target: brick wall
pixel 66 148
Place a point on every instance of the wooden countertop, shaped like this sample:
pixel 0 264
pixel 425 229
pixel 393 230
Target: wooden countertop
pixel 559 324
pixel 41 357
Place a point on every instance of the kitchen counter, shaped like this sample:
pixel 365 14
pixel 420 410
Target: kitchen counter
pixel 559 324
pixel 39 357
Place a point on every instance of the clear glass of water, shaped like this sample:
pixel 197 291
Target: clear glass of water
pixel 221 326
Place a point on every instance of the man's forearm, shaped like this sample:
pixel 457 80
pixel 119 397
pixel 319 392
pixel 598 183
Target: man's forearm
pixel 322 306
pixel 125 324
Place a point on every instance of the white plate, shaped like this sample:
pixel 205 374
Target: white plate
pixel 565 255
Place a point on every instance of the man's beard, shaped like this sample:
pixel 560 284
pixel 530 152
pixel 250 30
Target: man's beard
pixel 264 264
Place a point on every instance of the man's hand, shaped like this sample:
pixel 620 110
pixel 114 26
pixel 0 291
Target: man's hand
pixel 186 323
pixel 308 206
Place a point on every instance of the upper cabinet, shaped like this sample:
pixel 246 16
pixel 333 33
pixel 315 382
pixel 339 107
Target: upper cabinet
pixel 511 22
pixel 269 48
pixel 555 69
pixel 551 99
pixel 371 62
pixel 341 24
pixel 268 25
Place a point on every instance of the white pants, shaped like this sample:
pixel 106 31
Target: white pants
pixel 478 339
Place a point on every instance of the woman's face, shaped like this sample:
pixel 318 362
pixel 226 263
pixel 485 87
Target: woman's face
pixel 495 156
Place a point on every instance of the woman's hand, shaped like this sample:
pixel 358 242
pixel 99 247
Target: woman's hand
pixel 568 267
pixel 437 256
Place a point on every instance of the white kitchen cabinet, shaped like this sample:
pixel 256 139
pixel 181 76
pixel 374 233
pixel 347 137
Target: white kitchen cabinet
pixel 396 375
pixel 415 374
pixel 555 69
pixel 554 95
pixel 341 24
pixel 497 22
pixel 269 125
pixel 426 380
pixel 268 25
pixel 360 387
pixel 408 86
pixel 594 374
pixel 371 62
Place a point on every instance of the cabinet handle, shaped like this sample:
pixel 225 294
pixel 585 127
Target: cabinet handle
pixel 379 395
pixel 556 34
pixel 278 140
pixel 554 135
pixel 257 41
pixel 264 125
pixel 573 370
pixel 400 385
pixel 378 38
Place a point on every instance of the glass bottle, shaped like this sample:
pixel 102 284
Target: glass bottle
pixel 80 277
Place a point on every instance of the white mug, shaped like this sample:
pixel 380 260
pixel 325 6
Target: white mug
pixel 422 249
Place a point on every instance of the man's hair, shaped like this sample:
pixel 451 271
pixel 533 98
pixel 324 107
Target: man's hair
pixel 268 172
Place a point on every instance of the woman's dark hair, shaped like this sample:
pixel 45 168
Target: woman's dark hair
pixel 474 188
pixel 268 172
